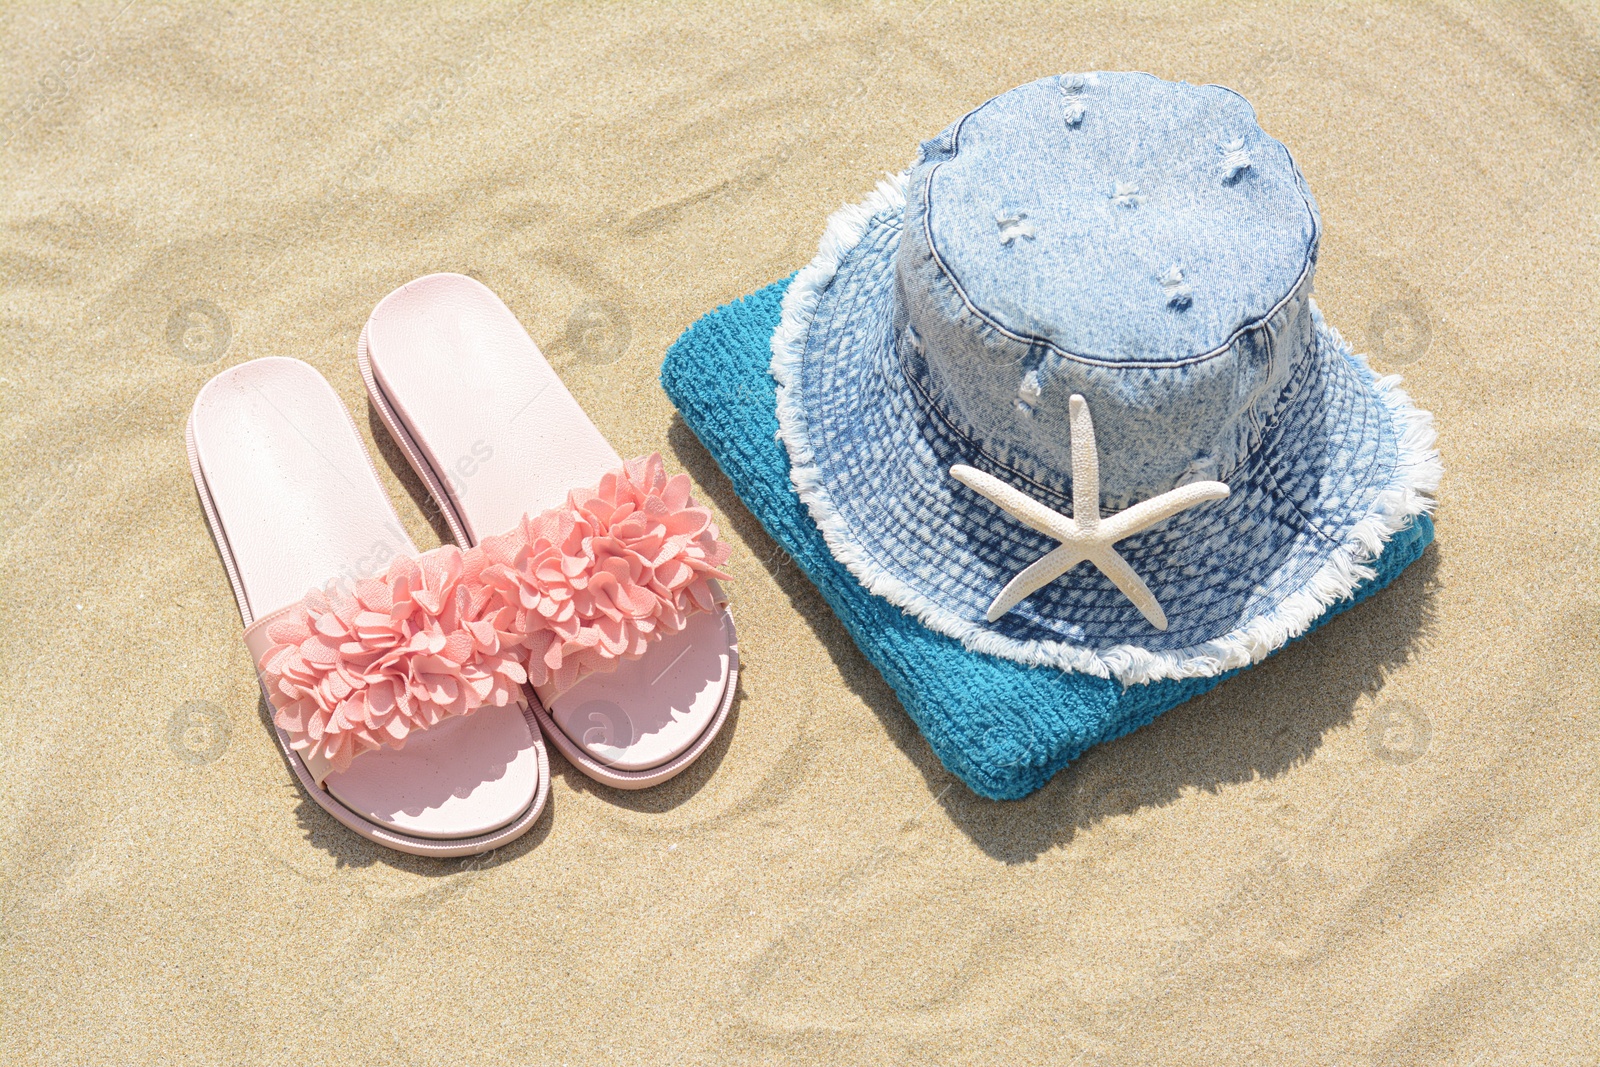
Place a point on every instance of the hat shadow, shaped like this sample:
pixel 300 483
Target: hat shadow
pixel 1257 725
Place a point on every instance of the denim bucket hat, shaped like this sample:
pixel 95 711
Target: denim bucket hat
pixel 1060 391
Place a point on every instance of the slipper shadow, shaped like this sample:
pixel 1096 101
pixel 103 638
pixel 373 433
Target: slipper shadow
pixel 349 849
pixel 401 467
pixel 664 797
pixel 1259 724
pixel 670 794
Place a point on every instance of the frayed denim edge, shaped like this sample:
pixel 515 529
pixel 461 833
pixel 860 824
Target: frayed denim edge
pixel 1418 470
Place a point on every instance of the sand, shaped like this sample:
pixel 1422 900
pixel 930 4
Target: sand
pixel 1378 848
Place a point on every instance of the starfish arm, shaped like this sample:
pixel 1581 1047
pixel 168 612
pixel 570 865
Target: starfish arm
pixel 1014 502
pixel 1152 511
pixel 1038 574
pixel 1085 465
pixel 1084 536
pixel 1116 568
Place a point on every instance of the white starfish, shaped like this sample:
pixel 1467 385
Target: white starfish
pixel 1085 535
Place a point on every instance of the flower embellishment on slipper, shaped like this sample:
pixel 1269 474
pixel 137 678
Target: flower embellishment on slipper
pixel 570 592
pixel 1084 535
pixel 360 665
pixel 618 567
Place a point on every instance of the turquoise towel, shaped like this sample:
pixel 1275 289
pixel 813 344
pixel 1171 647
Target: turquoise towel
pixel 1002 728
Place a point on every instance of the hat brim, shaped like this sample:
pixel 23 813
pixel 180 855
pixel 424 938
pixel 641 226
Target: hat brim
pixel 1348 463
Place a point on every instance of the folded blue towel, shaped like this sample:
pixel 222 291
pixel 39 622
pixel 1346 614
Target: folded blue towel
pixel 1003 728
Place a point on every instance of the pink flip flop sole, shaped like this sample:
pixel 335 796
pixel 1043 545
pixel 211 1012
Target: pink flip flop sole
pixel 293 501
pixel 494 435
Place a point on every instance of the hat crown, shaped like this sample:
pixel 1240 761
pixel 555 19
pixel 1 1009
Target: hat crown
pixel 1142 243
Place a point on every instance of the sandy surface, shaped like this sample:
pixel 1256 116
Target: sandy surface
pixel 1379 848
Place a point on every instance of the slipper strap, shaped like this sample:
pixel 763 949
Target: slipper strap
pixel 362 664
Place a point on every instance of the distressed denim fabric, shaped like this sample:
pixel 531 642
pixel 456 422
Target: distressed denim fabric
pixel 1032 268
pixel 1004 728
pixel 1143 244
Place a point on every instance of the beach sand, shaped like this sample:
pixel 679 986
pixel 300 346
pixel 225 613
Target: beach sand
pixel 1377 848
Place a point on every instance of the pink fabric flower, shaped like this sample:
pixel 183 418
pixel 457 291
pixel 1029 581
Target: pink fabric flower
pixel 353 669
pixel 359 666
pixel 597 580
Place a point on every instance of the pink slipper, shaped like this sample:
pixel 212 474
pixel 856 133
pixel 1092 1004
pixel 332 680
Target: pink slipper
pixel 394 701
pixel 636 683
